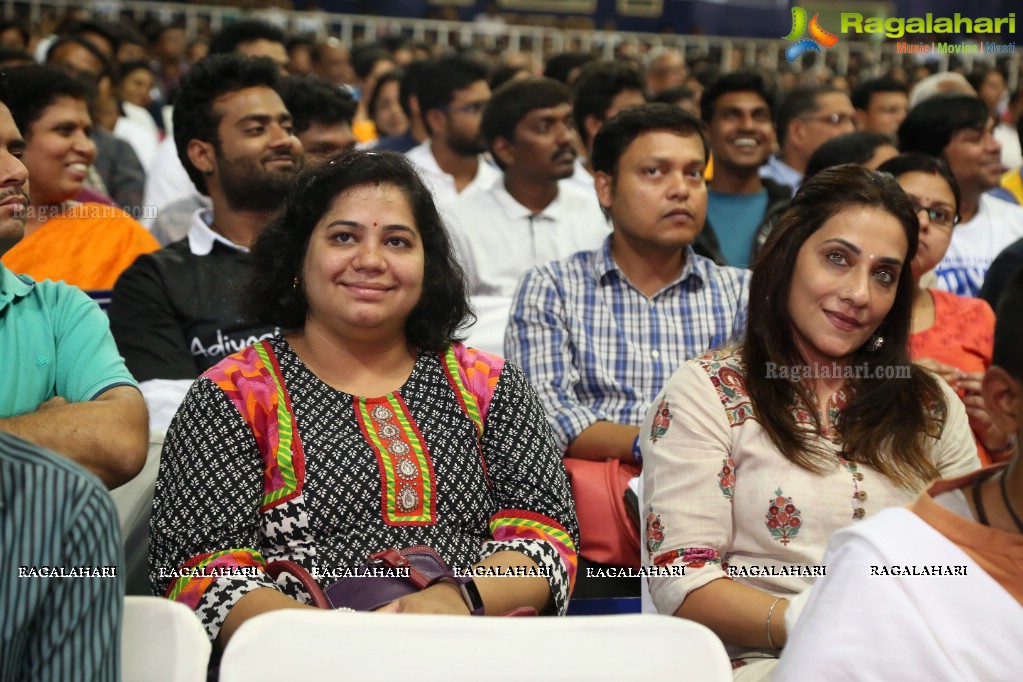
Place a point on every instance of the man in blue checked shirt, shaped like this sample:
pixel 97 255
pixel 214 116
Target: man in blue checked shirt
pixel 599 333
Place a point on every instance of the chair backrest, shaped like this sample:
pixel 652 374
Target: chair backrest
pixel 328 646
pixel 162 641
pixel 134 502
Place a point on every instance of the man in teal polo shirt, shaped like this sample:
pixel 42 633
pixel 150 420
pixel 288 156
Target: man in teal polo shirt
pixel 62 384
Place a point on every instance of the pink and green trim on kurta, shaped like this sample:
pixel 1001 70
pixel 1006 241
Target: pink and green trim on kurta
pixel 252 381
pixel 406 470
pixel 518 524
pixel 206 568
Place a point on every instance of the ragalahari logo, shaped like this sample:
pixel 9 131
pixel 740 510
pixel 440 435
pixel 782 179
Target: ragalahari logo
pixel 819 37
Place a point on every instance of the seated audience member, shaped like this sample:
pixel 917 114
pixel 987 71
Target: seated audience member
pixel 509 72
pixel 452 93
pixel 57 516
pixel 681 97
pixel 1003 267
pixel 135 124
pixel 169 188
pixel 174 312
pixel 369 61
pixel 665 70
pixel 867 149
pixel 300 55
pixel 958 129
pixel 1012 181
pixel 416 134
pixel 566 66
pixel 598 334
pixel 332 63
pixel 959 622
pixel 321 116
pixel 133 45
pixel 384 106
pixel 946 82
pixel 950 335
pixel 989 82
pixel 601 89
pixel 372 387
pixel 65 388
pixel 117 171
pixel 86 245
pixel 807 117
pixel 530 216
pixel 881 105
pixel 756 453
pixel 14 35
pixel 737 110
pixel 252 38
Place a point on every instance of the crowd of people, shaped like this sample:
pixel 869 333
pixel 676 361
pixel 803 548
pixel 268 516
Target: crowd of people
pixel 382 296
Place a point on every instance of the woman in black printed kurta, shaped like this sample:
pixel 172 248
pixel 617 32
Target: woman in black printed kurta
pixel 278 453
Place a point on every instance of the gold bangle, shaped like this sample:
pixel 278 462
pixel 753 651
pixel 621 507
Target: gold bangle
pixel 770 612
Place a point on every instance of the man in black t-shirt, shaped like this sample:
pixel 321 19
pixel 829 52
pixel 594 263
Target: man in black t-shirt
pixel 174 312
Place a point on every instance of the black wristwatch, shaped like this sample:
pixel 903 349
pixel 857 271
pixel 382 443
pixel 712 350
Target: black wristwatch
pixel 470 593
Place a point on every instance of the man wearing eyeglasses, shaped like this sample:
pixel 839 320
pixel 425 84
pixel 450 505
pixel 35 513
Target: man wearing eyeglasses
pixel 807 118
pixel 959 128
pixel 452 93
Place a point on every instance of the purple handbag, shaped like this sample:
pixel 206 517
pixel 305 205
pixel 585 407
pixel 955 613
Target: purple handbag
pixel 387 575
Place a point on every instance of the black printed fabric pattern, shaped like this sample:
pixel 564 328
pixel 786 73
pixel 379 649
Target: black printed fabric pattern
pixel 210 488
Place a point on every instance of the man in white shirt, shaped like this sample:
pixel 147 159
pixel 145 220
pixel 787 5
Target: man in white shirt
pixel 530 217
pixel 452 93
pixel 959 129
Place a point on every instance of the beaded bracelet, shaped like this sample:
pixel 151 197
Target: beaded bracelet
pixel 637 451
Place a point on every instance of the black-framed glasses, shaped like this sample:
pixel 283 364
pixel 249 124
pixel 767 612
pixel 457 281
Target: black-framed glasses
pixel 473 108
pixel 830 119
pixel 942 216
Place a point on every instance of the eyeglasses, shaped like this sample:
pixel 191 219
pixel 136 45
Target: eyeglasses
pixel 473 109
pixel 942 216
pixel 830 119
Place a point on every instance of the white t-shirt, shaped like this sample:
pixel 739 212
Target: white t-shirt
pixel 443 185
pixel 976 243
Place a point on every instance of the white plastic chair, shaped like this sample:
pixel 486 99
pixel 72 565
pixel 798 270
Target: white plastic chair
pixel 341 646
pixel 134 502
pixel 162 641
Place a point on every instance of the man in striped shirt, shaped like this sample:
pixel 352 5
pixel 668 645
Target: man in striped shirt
pixel 598 334
pixel 60 592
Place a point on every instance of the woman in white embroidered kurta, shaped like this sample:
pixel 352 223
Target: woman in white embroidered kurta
pixel 720 496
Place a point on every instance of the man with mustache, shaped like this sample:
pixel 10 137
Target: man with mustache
pixel 959 129
pixel 174 312
pixel 531 216
pixel 599 333
pixel 62 384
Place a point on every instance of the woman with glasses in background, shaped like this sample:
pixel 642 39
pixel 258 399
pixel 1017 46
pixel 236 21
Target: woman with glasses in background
pixel 950 335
